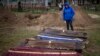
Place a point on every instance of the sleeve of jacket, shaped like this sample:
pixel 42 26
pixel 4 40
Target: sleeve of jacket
pixel 72 12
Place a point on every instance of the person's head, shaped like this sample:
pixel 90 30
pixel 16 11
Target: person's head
pixel 66 5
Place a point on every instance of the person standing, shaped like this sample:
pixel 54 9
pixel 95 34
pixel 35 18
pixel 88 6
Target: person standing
pixel 60 5
pixel 19 6
pixel 68 14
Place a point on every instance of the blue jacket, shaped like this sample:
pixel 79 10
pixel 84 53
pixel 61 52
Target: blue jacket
pixel 68 13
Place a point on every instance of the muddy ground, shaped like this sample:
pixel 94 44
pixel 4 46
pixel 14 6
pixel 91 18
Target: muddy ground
pixel 81 19
pixel 10 20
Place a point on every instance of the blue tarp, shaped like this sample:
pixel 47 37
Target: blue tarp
pixel 59 38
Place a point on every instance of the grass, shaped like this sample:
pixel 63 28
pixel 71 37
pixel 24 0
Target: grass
pixel 93 48
pixel 92 11
pixel 94 45
pixel 37 11
pixel 12 39
pixel 34 11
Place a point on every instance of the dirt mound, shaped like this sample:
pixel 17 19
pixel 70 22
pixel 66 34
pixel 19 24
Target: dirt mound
pixel 81 19
pixel 7 18
pixel 11 19
pixel 50 20
pixel 27 19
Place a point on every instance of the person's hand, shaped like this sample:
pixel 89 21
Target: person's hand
pixel 64 21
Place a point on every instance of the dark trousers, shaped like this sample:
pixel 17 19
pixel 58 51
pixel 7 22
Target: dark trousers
pixel 69 25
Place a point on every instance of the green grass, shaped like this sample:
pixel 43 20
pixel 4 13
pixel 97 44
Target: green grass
pixel 93 48
pixel 95 36
pixel 88 10
pixel 36 11
pixel 39 11
pixel 94 43
pixel 12 39
pixel 93 12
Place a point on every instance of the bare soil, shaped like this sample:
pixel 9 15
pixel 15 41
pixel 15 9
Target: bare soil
pixel 81 19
